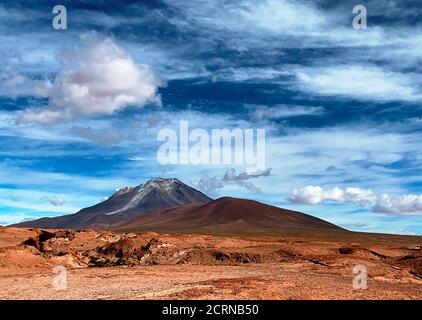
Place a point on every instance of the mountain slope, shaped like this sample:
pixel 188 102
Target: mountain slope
pixel 168 205
pixel 126 204
pixel 228 216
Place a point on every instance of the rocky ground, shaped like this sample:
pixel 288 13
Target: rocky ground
pixel 107 265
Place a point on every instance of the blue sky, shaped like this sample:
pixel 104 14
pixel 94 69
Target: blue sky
pixel 341 107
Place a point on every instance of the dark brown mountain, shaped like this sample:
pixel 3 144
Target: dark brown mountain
pixel 126 204
pixel 168 205
pixel 229 216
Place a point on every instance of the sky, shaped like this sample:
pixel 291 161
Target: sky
pixel 80 108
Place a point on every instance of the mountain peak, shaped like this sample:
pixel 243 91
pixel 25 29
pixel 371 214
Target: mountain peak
pixel 163 182
pixel 153 194
pixel 122 191
pixel 157 183
pixel 130 202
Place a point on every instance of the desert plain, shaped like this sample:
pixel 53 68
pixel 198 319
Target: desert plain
pixel 110 265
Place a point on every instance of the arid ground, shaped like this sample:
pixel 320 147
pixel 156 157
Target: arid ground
pixel 107 265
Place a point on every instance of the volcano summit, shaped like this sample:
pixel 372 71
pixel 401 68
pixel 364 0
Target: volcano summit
pixel 126 204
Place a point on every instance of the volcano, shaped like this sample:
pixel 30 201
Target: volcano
pixel 126 204
pixel 169 205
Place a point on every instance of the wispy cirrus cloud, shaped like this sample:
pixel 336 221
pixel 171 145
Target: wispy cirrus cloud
pixel 260 113
pixel 361 83
pixel 231 175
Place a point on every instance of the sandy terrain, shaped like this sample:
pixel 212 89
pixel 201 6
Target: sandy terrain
pixel 105 265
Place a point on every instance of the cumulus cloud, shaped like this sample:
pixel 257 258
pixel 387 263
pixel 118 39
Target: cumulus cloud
pixel 99 78
pixel 315 195
pixel 397 205
pixel 408 204
pixel 14 84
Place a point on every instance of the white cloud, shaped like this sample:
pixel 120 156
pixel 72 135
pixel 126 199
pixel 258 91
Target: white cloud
pixel 282 15
pixel 361 197
pixel 14 84
pixel 212 185
pixel 274 23
pixel 283 111
pixel 315 195
pixel 407 204
pixel 360 82
pixel 44 117
pixel 98 79
pixel 231 174
pixel 397 205
pixel 138 158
